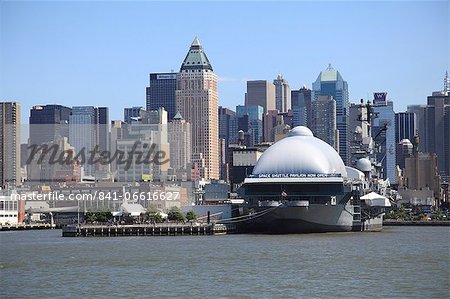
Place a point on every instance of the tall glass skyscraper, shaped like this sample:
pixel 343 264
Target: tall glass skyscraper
pixel 330 83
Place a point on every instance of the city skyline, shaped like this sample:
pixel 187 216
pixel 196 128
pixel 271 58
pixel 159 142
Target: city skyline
pixel 105 54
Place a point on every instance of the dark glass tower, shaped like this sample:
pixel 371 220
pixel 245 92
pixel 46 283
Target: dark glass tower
pixel 49 123
pixel 437 130
pixel 161 93
pixel 405 126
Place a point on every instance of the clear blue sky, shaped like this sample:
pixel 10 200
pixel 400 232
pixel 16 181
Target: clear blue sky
pixel 100 53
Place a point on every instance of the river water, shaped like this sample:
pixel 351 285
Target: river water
pixel 400 262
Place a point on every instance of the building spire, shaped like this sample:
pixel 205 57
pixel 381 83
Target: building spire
pixel 196 58
pixel 196 42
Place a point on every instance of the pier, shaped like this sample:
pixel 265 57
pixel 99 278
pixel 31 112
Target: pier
pixel 26 226
pixel 166 229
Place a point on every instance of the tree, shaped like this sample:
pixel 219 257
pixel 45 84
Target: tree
pixel 153 215
pixel 104 216
pixel 157 218
pixel 90 217
pixel 191 216
pixel 175 214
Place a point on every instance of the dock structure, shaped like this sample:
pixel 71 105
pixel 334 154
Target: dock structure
pixel 143 230
pixel 35 226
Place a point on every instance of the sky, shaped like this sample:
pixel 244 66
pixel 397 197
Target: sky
pixel 101 53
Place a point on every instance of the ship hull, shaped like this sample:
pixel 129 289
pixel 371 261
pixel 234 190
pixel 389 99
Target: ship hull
pixel 312 219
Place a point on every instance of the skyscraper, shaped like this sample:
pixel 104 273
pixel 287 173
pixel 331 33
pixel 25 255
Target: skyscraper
pixel 330 83
pixel 301 106
pixel 89 127
pixel 49 125
pixel 262 93
pixel 197 100
pixel 437 130
pixel 383 131
pixel 83 132
pixel 161 93
pixel 179 137
pixel 282 94
pixel 324 120
pixel 9 144
pixel 102 121
pixel 225 116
